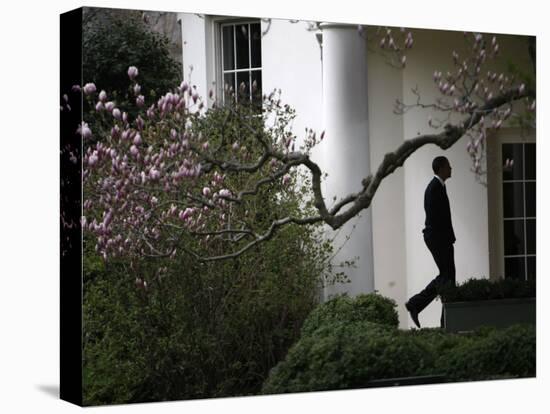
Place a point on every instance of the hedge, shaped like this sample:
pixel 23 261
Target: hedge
pixel 342 346
pixel 485 289
pixel 343 355
pixel 370 307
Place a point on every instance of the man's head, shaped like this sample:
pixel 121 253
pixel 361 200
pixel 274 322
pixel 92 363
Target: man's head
pixel 441 167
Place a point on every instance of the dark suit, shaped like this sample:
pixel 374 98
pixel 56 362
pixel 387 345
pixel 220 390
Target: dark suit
pixel 439 236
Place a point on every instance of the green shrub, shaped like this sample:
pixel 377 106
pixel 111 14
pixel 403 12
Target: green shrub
pixel 113 41
pixel 483 289
pixel 370 307
pixel 507 353
pixel 484 354
pixel 198 331
pixel 438 341
pixel 342 355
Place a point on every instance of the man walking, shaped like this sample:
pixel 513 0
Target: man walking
pixel 438 236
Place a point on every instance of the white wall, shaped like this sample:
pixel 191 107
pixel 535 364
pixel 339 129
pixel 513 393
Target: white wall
pixel 291 61
pixel 385 85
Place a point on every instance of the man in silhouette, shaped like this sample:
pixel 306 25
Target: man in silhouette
pixel 438 236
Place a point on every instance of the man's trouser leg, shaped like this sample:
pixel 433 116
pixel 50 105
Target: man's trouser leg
pixel 443 255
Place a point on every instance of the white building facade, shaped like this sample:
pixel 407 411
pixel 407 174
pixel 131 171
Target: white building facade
pixel 337 84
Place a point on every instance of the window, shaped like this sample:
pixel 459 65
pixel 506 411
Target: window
pixel 512 198
pixel 241 60
pixel 519 210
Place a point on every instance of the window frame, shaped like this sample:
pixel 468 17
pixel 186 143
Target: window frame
pixel 219 24
pixel 495 181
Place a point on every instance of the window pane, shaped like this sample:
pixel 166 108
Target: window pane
pixel 256 45
pixel 514 268
pixel 242 46
pixel 513 199
pixel 531 199
pixel 531 268
pixel 229 85
pixel 514 238
pixel 513 152
pixel 243 85
pixel 530 162
pixel 531 236
pixel 257 87
pixel 228 48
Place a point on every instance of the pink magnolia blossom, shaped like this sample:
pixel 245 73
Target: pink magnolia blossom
pixel 137 89
pixel 184 215
pixel 102 96
pixel 132 72
pixel 108 218
pixel 141 284
pixel 206 191
pixel 117 114
pixel 109 106
pixel 99 106
pixel 92 159
pixel 151 112
pixel 224 193
pixel 125 135
pixel 89 88
pixel 140 123
pixel 84 130
pixel 140 101
pixel 154 174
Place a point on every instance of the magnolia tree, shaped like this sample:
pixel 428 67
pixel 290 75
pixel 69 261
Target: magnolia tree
pixel 190 174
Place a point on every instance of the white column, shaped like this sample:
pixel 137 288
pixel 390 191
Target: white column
pixel 345 149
